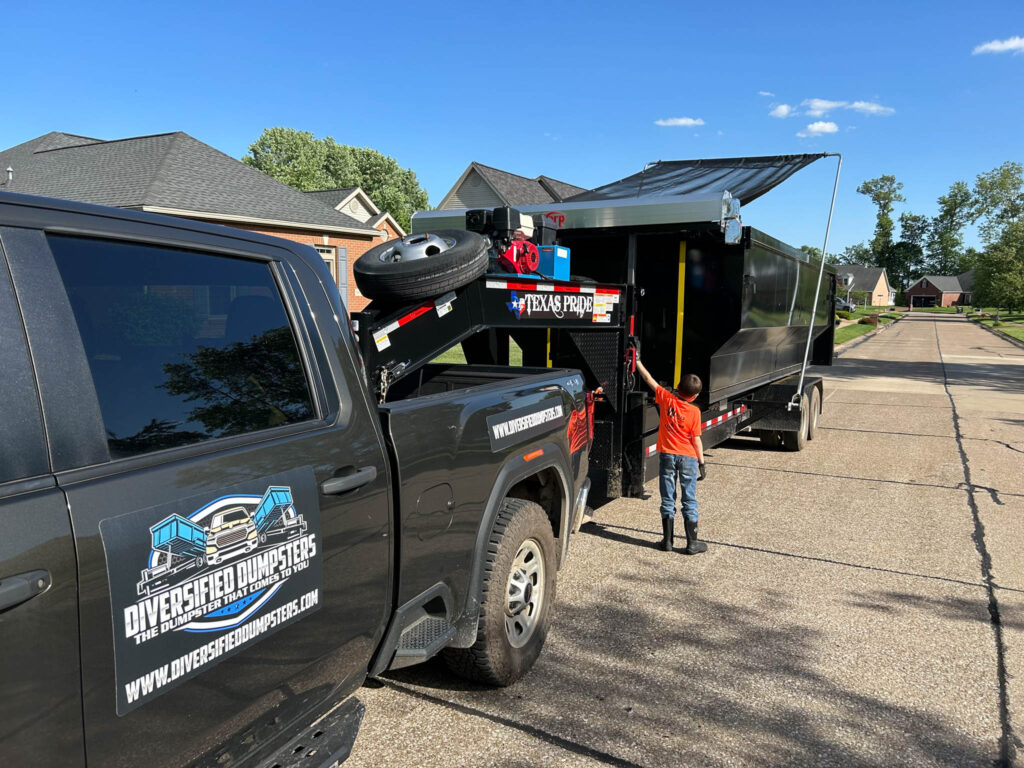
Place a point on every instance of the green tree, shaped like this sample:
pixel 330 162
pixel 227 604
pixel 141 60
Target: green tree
pixel 857 254
pixel 999 273
pixel 305 162
pixel 998 200
pixel 914 229
pixel 944 245
pixel 814 255
pixel 903 260
pixel 884 192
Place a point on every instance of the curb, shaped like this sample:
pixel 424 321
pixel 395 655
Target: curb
pixel 848 345
pixel 1000 334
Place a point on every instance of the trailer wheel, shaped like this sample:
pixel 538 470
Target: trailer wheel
pixel 518 590
pixel 812 420
pixel 795 441
pixel 770 438
pixel 421 266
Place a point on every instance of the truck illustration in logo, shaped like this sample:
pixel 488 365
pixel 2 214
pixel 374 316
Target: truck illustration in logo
pixel 231 526
pixel 231 532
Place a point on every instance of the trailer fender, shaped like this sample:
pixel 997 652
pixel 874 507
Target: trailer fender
pixel 515 471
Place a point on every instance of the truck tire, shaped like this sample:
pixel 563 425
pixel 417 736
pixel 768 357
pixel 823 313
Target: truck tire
pixel 421 266
pixel 812 421
pixel 770 438
pixel 518 590
pixel 795 441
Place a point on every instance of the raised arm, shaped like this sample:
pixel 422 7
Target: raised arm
pixel 648 379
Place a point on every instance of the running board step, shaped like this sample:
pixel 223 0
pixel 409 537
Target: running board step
pixel 421 640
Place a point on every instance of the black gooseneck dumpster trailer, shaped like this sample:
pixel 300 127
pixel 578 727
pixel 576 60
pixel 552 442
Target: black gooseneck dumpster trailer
pixel 674 275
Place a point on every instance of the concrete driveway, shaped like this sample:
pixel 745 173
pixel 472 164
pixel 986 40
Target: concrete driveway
pixel 861 603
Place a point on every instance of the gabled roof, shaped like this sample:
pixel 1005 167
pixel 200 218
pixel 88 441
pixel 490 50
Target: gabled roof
pixel 943 283
pixel 864 278
pixel 333 197
pixel 165 173
pixel 966 281
pixel 518 190
pixel 340 197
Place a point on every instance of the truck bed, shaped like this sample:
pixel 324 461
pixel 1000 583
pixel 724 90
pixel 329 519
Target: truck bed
pixel 453 430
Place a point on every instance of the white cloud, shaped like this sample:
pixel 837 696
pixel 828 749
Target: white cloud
pixel 675 122
pixel 820 128
pixel 783 110
pixel 870 108
pixel 819 107
pixel 1013 44
pixel 766 93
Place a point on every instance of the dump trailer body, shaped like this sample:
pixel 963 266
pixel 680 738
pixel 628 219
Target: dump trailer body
pixel 271 507
pixel 179 536
pixel 700 294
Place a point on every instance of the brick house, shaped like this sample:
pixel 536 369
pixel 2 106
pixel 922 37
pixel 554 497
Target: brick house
pixel 874 280
pixel 942 290
pixel 355 203
pixel 175 174
pixel 481 186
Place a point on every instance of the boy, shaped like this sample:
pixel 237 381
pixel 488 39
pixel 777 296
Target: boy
pixel 682 456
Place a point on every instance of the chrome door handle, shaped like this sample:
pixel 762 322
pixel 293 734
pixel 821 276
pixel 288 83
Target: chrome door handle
pixel 350 482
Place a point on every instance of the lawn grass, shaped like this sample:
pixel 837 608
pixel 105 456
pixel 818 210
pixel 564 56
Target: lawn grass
pixel 848 332
pixel 455 355
pixel 1017 331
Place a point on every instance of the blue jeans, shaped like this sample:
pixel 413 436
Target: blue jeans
pixel 682 469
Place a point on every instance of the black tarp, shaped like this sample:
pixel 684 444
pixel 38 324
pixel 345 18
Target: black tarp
pixel 746 178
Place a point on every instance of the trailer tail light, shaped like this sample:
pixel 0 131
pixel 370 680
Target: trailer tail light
pixel 533 455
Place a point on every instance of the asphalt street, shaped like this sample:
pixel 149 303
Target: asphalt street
pixel 861 602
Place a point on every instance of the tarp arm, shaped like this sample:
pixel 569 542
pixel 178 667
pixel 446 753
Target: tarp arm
pixel 795 401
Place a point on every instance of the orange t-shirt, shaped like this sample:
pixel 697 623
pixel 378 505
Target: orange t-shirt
pixel 678 425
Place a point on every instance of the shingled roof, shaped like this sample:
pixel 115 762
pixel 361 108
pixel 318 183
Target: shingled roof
pixel 864 278
pixel 332 197
pixel 944 283
pixel 518 190
pixel 165 173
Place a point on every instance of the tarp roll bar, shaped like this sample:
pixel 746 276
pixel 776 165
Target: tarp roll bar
pixel 795 402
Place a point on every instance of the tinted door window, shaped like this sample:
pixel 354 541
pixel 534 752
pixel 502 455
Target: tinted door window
pixel 183 346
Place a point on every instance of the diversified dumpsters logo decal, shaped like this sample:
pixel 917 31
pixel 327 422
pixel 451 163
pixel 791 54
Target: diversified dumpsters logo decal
pixel 213 581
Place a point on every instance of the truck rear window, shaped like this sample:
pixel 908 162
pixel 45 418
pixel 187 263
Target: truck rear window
pixel 183 346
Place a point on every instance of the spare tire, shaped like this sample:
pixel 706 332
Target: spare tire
pixel 421 266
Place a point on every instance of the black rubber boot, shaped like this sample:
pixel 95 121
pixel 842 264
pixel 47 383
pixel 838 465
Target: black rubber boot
pixel 667 534
pixel 694 546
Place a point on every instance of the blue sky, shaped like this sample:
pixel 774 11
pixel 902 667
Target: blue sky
pixel 573 90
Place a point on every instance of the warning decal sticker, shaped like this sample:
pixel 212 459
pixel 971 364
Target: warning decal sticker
pixel 196 581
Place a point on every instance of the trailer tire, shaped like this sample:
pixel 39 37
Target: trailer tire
pixel 770 438
pixel 518 590
pixel 812 422
pixel 795 441
pixel 444 260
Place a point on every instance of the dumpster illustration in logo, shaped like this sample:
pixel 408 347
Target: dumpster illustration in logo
pixel 224 529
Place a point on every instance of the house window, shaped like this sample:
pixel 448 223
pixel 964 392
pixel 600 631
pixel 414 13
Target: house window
pixel 329 254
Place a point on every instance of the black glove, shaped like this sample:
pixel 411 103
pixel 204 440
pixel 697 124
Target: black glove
pixel 702 471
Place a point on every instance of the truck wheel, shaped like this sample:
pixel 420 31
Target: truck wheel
pixel 421 266
pixel 795 441
pixel 518 590
pixel 770 438
pixel 812 416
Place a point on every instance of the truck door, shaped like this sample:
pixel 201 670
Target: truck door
pixel 228 590
pixel 40 694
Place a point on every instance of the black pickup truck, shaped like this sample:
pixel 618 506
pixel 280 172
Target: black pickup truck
pixel 211 533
